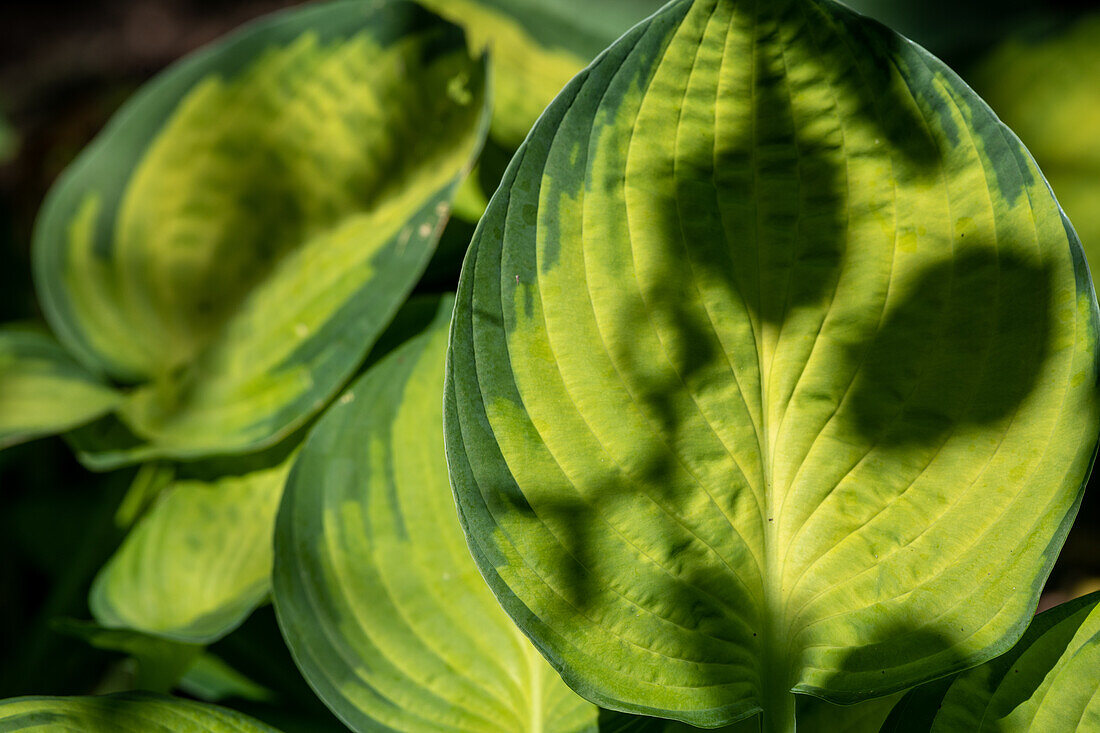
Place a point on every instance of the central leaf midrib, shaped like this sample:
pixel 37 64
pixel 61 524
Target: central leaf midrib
pixel 776 699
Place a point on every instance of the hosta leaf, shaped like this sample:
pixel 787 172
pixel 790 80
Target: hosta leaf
pixel 247 225
pixel 131 712
pixel 773 370
pixel 1047 682
pixel 159 663
pixel 43 390
pixel 813 715
pixel 210 679
pixel 198 562
pixel 917 709
pixel 149 481
pixel 537 47
pixel 376 593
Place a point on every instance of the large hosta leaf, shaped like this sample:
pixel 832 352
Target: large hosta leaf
pixel 43 390
pixel 247 225
pixel 378 598
pixel 122 713
pixel 537 46
pixel 198 562
pixel 773 369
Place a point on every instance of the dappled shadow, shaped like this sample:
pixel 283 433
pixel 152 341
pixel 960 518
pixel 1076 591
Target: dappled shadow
pixel 879 653
pixel 752 236
pixel 285 172
pixel 964 348
pixel 856 671
pixel 917 710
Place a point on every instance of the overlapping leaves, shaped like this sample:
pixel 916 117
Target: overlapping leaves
pixel 198 562
pixel 43 390
pixel 378 598
pixel 247 225
pixel 771 337
pixel 537 47
pixel 1046 682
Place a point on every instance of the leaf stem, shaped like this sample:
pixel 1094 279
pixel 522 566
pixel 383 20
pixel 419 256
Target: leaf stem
pixel 779 709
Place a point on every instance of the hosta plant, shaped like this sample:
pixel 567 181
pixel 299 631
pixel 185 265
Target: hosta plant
pixel 766 399
pixel 220 260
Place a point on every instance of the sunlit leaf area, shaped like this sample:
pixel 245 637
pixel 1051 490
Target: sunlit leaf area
pixel 549 366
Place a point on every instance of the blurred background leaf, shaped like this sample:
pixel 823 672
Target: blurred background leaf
pixel 9 140
pixel 198 562
pixel 1047 89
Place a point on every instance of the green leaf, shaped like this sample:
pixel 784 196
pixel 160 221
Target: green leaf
pixel 43 390
pixel 160 663
pixel 1046 90
pixel 211 679
pixel 149 481
pixel 125 713
pixel 198 562
pixel 248 224
pixel 1047 682
pixel 376 593
pixel 773 370
pixel 814 714
pixel 915 711
pixel 537 47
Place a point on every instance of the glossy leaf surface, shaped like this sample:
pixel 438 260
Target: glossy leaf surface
pixel 773 369
pixel 247 225
pixel 198 562
pixel 122 713
pixel 376 593
pixel 43 390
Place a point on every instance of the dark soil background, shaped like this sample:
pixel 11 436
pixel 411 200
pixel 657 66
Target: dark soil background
pixel 64 69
